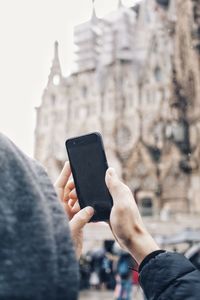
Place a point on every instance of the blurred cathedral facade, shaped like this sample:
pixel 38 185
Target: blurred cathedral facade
pixel 137 81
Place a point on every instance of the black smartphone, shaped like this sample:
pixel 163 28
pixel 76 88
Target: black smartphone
pixel 88 165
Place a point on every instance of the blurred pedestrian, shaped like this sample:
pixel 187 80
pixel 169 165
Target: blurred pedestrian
pixel 105 271
pixel 124 277
pixel 94 280
pixel 136 285
pixel 84 270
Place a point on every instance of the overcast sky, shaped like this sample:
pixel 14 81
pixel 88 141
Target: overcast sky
pixel 28 29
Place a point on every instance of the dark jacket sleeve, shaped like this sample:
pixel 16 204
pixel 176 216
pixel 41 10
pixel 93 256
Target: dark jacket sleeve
pixel 170 276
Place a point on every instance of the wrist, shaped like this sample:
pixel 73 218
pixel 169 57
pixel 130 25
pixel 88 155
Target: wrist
pixel 142 244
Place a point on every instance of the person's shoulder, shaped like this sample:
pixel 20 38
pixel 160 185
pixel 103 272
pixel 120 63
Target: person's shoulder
pixel 7 144
pixel 4 140
pixel 7 147
pixel 10 151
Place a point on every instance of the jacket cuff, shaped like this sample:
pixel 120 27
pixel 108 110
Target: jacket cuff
pixel 149 257
pixel 162 272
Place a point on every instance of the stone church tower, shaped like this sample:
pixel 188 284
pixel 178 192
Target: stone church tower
pixel 137 81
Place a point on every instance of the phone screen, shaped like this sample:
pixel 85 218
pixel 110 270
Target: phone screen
pixel 89 165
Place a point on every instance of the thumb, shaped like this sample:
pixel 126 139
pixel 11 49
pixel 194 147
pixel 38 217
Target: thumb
pixel 81 218
pixel 115 186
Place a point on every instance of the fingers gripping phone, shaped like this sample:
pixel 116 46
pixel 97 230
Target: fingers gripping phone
pixel 88 164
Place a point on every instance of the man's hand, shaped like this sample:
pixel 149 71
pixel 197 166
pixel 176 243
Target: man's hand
pixel 78 218
pixel 126 222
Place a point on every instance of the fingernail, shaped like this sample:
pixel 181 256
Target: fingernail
pixel 90 210
pixel 111 172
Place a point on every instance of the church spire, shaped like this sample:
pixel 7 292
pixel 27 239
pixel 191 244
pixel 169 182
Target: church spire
pixel 56 50
pixel 94 16
pixel 120 3
pixel 56 62
pixel 55 68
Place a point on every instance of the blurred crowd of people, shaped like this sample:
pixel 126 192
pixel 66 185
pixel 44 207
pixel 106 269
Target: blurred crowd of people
pixel 105 269
pixel 109 268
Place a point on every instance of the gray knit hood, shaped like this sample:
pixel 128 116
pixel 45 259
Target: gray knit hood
pixel 37 260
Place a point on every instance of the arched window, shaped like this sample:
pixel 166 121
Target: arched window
pixel 183 55
pixel 84 91
pixel 53 99
pixel 191 88
pixel 158 74
pixel 164 3
pixel 45 120
pixel 146 206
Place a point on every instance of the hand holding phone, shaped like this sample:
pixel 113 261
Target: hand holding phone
pixel 77 218
pixel 88 165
